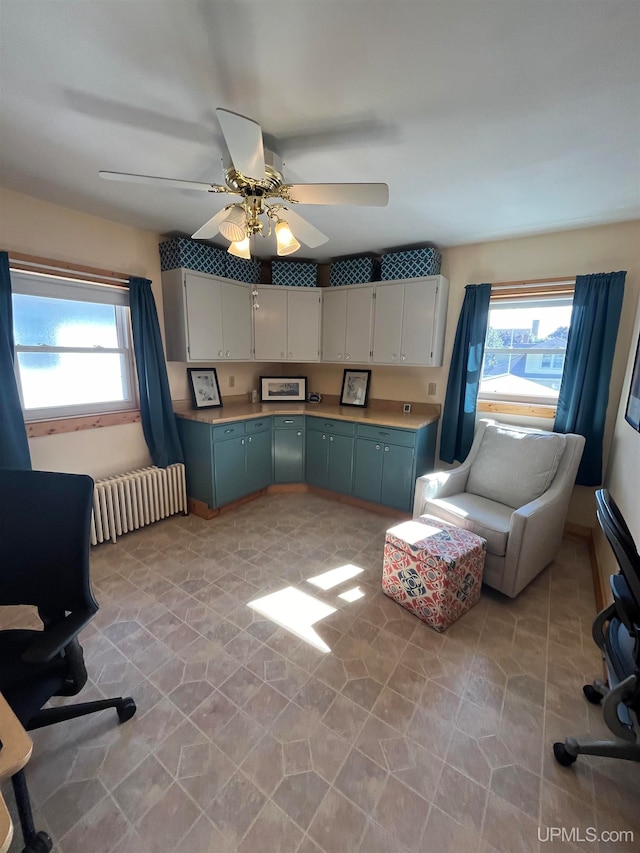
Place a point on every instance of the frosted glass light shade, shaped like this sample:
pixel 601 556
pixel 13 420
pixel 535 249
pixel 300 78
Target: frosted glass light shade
pixel 233 227
pixel 286 242
pixel 240 249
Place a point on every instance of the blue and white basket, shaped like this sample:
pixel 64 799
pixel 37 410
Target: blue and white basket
pixel 412 263
pixel 183 252
pixel 294 273
pixel 243 270
pixel 351 271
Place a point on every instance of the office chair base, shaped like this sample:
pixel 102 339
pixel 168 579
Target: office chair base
pixel 35 842
pixel 566 753
pixel 125 708
pixel 595 692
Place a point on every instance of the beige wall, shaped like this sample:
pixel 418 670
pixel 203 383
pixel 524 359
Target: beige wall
pixel 36 227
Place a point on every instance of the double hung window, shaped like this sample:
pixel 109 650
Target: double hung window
pixel 73 352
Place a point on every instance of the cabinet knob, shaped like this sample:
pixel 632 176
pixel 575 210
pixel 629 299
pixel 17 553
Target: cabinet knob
pixel 249 439
pixel 386 448
pixel 290 355
pixel 298 433
pixel 394 357
pixel 347 357
pixel 403 358
pixel 377 447
pixel 339 355
pixel 227 353
pixel 242 441
pixel 220 353
pixel 323 437
pixel 281 355
pixel 330 438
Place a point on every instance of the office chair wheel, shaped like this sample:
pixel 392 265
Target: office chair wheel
pixel 562 756
pixel 126 709
pixel 592 694
pixel 40 843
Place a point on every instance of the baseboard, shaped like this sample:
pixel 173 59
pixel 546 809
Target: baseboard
pixel 579 531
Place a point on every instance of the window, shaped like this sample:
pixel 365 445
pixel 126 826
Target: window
pixel 525 348
pixel 73 347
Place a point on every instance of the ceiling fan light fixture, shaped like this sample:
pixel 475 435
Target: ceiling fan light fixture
pixel 286 242
pixel 234 226
pixel 240 248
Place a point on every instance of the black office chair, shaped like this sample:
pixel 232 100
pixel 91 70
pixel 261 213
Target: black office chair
pixel 616 631
pixel 45 523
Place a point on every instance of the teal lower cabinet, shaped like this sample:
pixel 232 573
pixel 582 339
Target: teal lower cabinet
pixel 329 454
pixel 288 449
pixel 225 463
pixel 388 461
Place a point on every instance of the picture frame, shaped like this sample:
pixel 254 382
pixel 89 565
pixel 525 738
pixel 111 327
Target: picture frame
pixel 355 388
pixel 204 387
pixel 283 389
pixel 632 414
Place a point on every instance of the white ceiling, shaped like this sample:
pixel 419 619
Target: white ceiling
pixel 487 118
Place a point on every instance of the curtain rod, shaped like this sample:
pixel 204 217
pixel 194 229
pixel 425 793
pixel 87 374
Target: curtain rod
pixel 539 282
pixel 20 261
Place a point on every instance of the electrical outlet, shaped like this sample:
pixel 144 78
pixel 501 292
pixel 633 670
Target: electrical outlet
pixel 232 382
pixel 432 389
pixel 406 408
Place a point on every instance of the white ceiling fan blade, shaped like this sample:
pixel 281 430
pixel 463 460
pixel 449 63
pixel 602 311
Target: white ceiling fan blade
pixel 302 229
pixel 244 141
pixel 210 228
pixel 172 182
pixel 366 195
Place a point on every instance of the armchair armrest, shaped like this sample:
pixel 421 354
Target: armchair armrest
pixel 53 639
pixel 441 484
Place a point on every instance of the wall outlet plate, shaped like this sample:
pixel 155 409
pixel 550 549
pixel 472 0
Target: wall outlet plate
pixel 432 389
pixel 406 408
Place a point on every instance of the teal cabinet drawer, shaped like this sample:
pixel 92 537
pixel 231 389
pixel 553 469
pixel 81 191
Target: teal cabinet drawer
pixel 328 425
pixel 257 425
pixel 228 431
pixel 403 437
pixel 288 421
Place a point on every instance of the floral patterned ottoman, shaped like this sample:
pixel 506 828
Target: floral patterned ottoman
pixel 433 568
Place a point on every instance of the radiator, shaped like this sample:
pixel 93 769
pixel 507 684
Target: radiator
pixel 132 500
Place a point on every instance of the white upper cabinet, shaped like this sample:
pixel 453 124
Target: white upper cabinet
pixel 410 320
pixel 347 321
pixel 286 324
pixel 206 318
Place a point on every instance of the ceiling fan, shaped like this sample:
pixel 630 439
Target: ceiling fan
pixel 254 173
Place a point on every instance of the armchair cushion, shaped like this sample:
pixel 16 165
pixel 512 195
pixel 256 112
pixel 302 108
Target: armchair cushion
pixel 513 466
pixel 487 518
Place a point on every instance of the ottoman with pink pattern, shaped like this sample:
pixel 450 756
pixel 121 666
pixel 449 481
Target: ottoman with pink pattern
pixel 433 568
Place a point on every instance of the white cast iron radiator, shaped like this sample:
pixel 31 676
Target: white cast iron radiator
pixel 135 499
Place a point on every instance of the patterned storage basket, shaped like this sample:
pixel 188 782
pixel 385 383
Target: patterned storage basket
pixel 294 273
pixel 182 252
pixel 243 270
pixel 412 263
pixel 351 271
pixel 436 575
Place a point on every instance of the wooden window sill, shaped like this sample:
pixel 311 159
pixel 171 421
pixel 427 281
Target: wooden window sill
pixel 36 429
pixel 525 410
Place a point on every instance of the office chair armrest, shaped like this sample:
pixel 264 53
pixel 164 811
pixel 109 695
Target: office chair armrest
pixel 53 639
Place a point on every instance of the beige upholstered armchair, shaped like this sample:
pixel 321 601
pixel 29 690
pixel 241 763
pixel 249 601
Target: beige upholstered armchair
pixel 513 489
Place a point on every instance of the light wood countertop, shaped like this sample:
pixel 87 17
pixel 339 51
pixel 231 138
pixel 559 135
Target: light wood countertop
pixel 15 752
pixel 244 411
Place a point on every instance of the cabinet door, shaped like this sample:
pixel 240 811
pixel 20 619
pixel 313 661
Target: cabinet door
pixel 288 456
pixel 359 322
pixel 258 460
pixel 270 325
pixel 340 467
pixel 236 321
pixel 387 329
pixel 303 325
pixel 417 322
pixel 203 309
pixel 334 323
pixel 316 452
pixel 367 474
pixel 229 470
pixel 397 477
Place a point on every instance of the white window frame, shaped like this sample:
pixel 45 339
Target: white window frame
pixel 55 287
pixel 511 303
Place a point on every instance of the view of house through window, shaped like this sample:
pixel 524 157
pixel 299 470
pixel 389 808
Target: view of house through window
pixel 72 342
pixel 525 349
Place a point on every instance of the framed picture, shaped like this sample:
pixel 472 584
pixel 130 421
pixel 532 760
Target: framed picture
pixel 203 384
pixel 632 414
pixel 355 388
pixel 280 389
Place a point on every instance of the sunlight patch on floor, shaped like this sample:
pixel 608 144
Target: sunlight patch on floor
pixel 297 612
pixel 327 580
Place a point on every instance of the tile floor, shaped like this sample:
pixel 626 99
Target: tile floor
pixel 250 739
